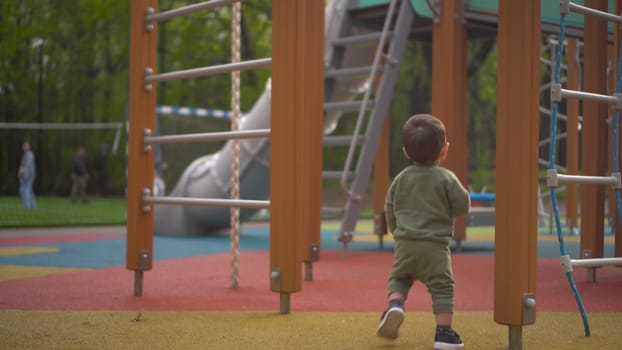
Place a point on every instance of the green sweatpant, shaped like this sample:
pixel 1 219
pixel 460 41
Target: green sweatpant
pixel 428 262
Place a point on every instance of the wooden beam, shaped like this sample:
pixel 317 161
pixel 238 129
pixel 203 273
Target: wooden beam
pixel 381 179
pixel 449 91
pixel 313 129
pixel 518 96
pixel 140 165
pixel 611 85
pixel 618 225
pixel 297 94
pixel 594 133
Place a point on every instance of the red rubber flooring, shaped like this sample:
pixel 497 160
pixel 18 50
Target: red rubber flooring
pixel 355 284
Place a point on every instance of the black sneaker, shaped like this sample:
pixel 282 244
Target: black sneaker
pixel 390 322
pixel 447 339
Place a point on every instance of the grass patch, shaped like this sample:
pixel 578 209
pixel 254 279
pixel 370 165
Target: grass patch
pixel 59 211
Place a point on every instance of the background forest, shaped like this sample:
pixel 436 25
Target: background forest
pixel 67 61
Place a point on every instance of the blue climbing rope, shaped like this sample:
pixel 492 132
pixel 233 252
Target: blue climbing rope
pixel 558 225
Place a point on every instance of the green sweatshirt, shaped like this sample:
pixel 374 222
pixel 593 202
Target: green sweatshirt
pixel 422 201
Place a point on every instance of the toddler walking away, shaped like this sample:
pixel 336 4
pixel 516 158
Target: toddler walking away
pixel 420 206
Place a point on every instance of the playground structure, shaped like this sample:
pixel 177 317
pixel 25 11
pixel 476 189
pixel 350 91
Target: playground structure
pixel 553 178
pixel 296 159
pixel 347 66
pixel 299 73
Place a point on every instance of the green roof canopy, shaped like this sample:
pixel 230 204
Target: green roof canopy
pixel 549 10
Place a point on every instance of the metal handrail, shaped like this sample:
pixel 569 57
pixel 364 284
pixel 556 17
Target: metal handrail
pixel 362 111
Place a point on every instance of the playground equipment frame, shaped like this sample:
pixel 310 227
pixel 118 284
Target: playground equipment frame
pixel 297 95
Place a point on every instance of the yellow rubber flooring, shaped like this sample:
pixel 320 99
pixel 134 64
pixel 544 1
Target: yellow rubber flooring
pixel 299 330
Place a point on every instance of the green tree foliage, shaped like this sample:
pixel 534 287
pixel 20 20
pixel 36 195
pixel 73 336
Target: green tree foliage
pixel 482 115
pixel 204 39
pixel 77 73
pixel 83 65
pixel 413 95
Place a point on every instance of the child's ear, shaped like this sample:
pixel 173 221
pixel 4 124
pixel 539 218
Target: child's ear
pixel 445 150
pixel 405 153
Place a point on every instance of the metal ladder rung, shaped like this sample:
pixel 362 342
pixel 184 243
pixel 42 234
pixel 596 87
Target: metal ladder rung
pixel 346 106
pixel 596 262
pixel 557 93
pixel 335 175
pixel 205 5
pixel 332 211
pixel 553 179
pixel 205 202
pixel 351 72
pixel 362 38
pixel 344 140
pixel 566 6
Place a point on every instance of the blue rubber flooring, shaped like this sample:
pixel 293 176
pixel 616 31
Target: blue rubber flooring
pixel 111 252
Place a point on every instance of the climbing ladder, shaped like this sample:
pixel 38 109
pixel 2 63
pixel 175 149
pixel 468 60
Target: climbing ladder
pixel 553 178
pixel 296 76
pixel 379 81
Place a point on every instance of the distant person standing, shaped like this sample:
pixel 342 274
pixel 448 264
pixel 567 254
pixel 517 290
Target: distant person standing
pixel 79 176
pixel 26 175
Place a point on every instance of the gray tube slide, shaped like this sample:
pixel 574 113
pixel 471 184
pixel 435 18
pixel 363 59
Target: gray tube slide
pixel 209 176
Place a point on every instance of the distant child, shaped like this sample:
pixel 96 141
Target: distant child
pixel 26 175
pixel 79 177
pixel 420 206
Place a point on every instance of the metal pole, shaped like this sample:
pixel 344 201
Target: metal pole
pixel 285 303
pixel 516 337
pixel 590 11
pixel 596 262
pixel 207 202
pixel 206 137
pixel 39 155
pixel 60 126
pixel 138 283
pixel 308 271
pixel 601 180
pixel 590 96
pixel 212 70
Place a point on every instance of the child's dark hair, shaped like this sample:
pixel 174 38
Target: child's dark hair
pixel 423 137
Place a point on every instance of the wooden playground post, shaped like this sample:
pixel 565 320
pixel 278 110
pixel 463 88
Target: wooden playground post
pixel 381 171
pixel 297 94
pixel 572 140
pixel 618 33
pixel 381 180
pixel 517 166
pixel 611 85
pixel 312 134
pixel 449 91
pixel 140 165
pixel 594 135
